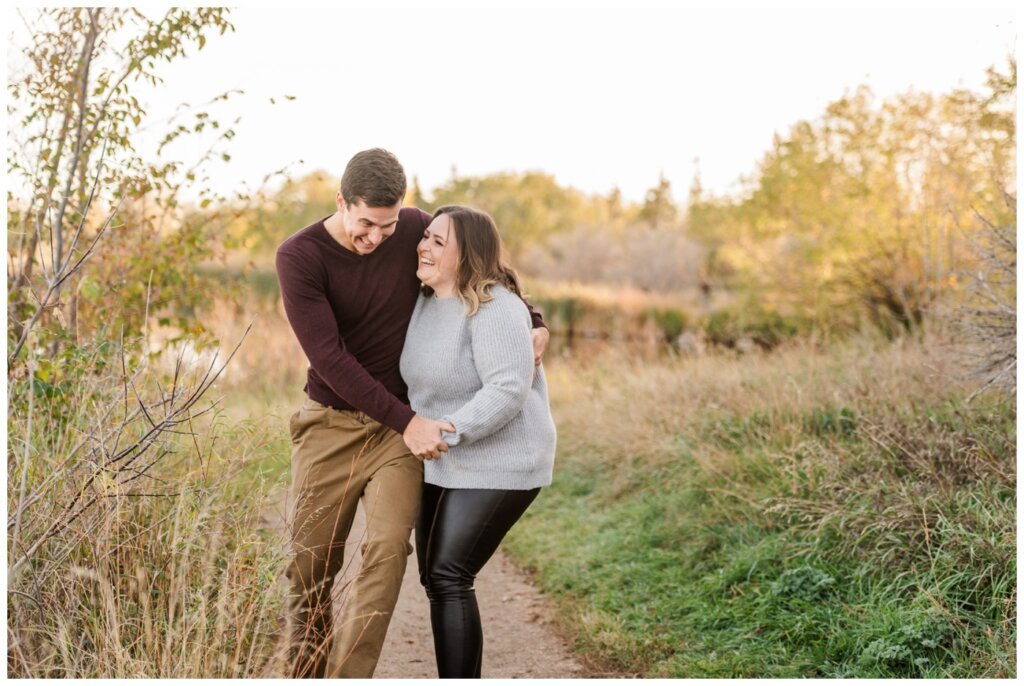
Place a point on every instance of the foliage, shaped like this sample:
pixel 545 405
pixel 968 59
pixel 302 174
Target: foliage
pixel 908 649
pixel 261 227
pixel 805 583
pixel 986 323
pixel 526 207
pixel 858 211
pixel 754 322
pixel 135 547
pixel 659 209
pixel 865 216
pixel 77 176
pixel 671 321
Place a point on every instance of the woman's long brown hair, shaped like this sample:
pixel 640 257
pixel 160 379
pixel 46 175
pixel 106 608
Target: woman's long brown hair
pixel 482 262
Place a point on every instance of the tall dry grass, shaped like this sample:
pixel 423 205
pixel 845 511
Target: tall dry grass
pixel 148 540
pixel 266 374
pixel 136 544
pixel 619 401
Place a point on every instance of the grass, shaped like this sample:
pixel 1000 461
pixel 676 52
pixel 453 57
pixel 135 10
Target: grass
pixel 817 513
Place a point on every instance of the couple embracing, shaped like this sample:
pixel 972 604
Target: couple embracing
pixel 425 400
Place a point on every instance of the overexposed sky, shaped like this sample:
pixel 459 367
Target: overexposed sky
pixel 597 97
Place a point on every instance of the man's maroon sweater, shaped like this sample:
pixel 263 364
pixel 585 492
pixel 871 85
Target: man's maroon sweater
pixel 350 313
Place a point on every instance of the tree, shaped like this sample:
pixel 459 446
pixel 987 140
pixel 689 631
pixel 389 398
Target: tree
pixel 262 225
pixel 659 209
pixel 527 208
pixel 98 240
pixel 986 323
pixel 79 178
pixel 414 196
pixel 855 214
pixel 987 319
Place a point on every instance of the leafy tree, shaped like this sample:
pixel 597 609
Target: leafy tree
pixel 414 196
pixel 659 209
pixel 76 177
pixel 857 213
pixel 261 226
pixel 526 207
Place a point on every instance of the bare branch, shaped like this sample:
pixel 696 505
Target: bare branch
pixel 172 417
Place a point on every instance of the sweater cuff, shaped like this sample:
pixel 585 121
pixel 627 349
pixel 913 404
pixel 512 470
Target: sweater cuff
pixel 452 439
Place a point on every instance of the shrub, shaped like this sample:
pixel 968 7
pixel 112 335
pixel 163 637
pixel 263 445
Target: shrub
pixel 670 321
pixel 766 328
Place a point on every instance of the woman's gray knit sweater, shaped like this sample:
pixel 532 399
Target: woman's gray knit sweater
pixel 477 373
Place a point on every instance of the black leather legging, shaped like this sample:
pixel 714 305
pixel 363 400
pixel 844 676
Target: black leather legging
pixel 457 532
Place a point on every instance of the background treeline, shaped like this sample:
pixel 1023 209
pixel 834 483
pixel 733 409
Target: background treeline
pixel 865 216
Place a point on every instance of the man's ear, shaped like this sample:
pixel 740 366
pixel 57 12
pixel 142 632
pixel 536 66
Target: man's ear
pixel 339 202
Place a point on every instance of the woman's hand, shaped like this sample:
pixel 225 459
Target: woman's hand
pixel 423 437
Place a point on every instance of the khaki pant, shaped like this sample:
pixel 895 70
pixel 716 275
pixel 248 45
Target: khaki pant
pixel 337 458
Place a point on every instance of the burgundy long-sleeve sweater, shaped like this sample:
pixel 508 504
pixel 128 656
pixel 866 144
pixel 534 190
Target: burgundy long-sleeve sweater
pixel 350 313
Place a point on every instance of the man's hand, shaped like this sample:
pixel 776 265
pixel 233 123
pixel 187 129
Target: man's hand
pixel 540 338
pixel 423 437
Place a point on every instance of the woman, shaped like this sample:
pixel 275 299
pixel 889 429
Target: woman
pixel 468 359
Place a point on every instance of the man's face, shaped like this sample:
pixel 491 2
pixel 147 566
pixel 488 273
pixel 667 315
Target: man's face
pixel 365 228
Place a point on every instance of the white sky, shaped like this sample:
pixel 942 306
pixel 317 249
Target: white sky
pixel 598 97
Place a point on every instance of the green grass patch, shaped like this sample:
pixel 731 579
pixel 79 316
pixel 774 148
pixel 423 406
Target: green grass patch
pixel 836 542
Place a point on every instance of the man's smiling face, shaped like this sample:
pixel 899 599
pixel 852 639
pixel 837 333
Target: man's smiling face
pixel 365 228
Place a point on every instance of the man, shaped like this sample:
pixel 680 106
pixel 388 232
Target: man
pixel 349 287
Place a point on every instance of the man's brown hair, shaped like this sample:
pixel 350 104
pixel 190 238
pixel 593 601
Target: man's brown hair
pixel 374 176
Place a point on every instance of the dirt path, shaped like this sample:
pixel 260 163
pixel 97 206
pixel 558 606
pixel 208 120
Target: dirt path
pixel 519 637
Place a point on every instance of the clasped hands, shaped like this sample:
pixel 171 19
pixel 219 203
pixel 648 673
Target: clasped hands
pixel 423 437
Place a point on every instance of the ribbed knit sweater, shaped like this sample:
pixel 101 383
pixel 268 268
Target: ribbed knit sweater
pixel 477 373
